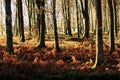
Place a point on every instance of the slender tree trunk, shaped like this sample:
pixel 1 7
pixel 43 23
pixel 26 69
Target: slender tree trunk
pixel 38 24
pixel 81 21
pixel 16 22
pixel 30 16
pixel 78 29
pixel 92 16
pixel 41 6
pixel 111 34
pixel 99 42
pixel 86 17
pixel 69 18
pixel 115 12
pixel 86 20
pixel 55 27
pixel 34 21
pixel 38 18
pixel 104 15
pixel 20 20
pixel 64 16
pixel 9 35
pixel 1 2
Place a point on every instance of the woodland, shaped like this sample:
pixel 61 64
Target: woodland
pixel 59 40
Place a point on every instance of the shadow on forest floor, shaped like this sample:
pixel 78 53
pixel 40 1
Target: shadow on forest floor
pixel 72 63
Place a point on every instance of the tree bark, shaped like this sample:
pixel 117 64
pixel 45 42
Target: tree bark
pixel 111 34
pixel 55 27
pixel 9 35
pixel 20 20
pixel 1 13
pixel 99 42
pixel 77 14
pixel 115 12
pixel 64 16
pixel 69 18
pixel 86 17
pixel 30 16
pixel 41 7
pixel 16 22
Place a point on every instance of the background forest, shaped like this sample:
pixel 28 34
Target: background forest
pixel 42 39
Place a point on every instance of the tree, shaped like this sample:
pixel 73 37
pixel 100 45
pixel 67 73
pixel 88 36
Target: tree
pixel 55 27
pixel 99 43
pixel 69 18
pixel 38 18
pixel 116 17
pixel 9 35
pixel 111 34
pixel 64 16
pixel 78 29
pixel 20 20
pixel 33 30
pixel 16 22
pixel 86 17
pixel 29 7
pixel 41 19
pixel 1 13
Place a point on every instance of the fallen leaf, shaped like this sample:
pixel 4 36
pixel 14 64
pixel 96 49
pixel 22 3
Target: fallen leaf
pixel 107 69
pixel 60 62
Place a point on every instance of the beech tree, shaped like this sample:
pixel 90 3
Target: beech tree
pixel 20 20
pixel 77 13
pixel 55 26
pixel 41 22
pixel 16 22
pixel 111 34
pixel 9 35
pixel 67 17
pixel 29 8
pixel 1 13
pixel 64 16
pixel 86 17
pixel 99 41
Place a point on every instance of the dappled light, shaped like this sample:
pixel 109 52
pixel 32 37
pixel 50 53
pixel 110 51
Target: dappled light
pixel 28 60
pixel 59 40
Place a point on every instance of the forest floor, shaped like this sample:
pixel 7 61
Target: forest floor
pixel 74 62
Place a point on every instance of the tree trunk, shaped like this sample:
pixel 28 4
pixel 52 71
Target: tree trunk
pixel 34 21
pixel 86 20
pixel 16 22
pixel 99 42
pixel 20 20
pixel 64 10
pixel 30 15
pixel 38 24
pixel 77 14
pixel 86 17
pixel 1 25
pixel 41 6
pixel 55 27
pixel 69 18
pixel 9 35
pixel 115 12
pixel 111 34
